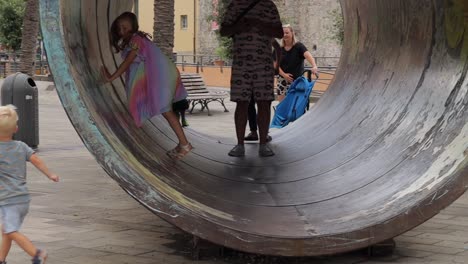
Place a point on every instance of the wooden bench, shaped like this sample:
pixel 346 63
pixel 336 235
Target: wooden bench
pixel 198 93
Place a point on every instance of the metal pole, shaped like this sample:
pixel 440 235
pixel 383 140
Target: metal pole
pixel 194 30
pixel 136 7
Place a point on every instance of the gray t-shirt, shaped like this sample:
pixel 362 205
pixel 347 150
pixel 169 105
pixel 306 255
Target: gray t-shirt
pixel 13 158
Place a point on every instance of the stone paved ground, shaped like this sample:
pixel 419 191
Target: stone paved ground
pixel 88 218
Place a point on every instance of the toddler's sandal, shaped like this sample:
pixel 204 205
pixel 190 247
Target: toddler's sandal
pixel 40 257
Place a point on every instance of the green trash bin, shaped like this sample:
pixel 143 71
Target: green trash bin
pixel 20 90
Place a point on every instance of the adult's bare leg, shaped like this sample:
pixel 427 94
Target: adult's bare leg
pixel 252 114
pixel 264 114
pixel 240 120
pixel 264 111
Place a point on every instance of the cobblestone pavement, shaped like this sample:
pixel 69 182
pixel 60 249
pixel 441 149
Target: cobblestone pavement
pixel 88 218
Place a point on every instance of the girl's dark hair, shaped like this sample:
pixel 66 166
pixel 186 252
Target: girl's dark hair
pixel 116 41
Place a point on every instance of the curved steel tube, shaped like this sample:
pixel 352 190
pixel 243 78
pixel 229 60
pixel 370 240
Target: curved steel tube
pixel 383 151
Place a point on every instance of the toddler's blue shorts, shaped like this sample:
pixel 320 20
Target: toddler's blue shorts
pixel 13 216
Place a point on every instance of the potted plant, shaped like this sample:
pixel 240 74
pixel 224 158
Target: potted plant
pixel 224 49
pixel 224 53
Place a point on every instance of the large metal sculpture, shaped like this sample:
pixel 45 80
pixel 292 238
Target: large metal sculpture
pixel 384 150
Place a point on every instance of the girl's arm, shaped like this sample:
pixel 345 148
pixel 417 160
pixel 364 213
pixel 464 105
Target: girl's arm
pixel 40 165
pixel 311 60
pixel 122 68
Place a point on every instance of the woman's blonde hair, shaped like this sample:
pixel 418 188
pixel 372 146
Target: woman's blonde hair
pixel 294 39
pixel 8 120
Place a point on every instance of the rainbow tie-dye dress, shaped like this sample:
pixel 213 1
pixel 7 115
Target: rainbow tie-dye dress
pixel 152 81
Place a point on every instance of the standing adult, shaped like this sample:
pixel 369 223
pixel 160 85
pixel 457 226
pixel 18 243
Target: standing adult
pixel 293 54
pixel 252 112
pixel 252 117
pixel 252 24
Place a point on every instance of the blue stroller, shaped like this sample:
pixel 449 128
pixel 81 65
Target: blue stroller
pixel 295 103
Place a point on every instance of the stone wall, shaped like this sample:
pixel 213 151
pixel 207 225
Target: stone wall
pixel 310 19
pixel 206 39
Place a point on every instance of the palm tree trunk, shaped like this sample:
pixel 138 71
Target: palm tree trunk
pixel 163 34
pixel 29 37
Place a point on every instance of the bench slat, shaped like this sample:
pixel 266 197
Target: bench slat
pixel 198 93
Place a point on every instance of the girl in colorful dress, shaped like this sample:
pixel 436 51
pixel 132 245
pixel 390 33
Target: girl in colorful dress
pixel 152 80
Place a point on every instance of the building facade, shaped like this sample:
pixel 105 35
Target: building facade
pixel 185 23
pixel 195 32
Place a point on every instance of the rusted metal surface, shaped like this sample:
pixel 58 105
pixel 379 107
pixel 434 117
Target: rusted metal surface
pixel 384 150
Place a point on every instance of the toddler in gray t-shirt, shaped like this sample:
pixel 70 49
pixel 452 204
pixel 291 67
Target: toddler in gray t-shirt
pixel 14 195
